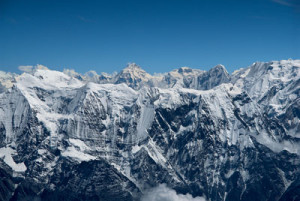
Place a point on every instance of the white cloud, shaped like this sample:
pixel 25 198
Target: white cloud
pixel 26 68
pixel 41 67
pixel 30 69
pixel 70 72
pixel 290 3
pixel 163 193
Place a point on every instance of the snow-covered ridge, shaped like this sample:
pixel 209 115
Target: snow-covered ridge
pixel 47 91
pixel 180 124
pixel 135 77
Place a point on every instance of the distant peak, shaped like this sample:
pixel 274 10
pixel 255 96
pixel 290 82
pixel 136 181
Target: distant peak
pixel 219 67
pixel 132 66
pixel 91 73
pixel 185 70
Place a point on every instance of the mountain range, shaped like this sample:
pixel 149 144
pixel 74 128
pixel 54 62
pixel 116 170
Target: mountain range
pixel 204 134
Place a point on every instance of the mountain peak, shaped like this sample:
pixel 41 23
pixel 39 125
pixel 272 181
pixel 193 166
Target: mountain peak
pixel 185 70
pixel 219 67
pixel 134 70
pixel 132 66
pixel 133 75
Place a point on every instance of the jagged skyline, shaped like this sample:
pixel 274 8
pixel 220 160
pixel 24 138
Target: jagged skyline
pixel 158 35
pixel 189 134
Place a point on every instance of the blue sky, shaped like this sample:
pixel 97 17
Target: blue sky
pixel 159 35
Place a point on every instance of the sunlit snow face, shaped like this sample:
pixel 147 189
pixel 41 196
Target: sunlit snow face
pixel 163 193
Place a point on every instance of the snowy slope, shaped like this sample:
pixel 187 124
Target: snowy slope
pixel 225 137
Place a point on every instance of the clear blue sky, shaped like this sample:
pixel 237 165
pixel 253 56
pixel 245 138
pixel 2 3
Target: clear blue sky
pixel 159 35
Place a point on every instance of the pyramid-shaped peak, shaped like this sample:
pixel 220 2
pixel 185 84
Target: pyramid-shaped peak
pixel 219 68
pixel 134 69
pixel 132 66
pixel 133 75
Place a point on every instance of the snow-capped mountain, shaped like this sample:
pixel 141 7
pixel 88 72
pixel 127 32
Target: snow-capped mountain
pixel 67 136
pixel 135 77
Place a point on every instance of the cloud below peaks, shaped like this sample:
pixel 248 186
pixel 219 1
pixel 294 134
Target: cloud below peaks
pixel 163 193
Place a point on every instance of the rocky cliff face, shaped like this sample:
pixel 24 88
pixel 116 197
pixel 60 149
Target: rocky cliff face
pixel 228 137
